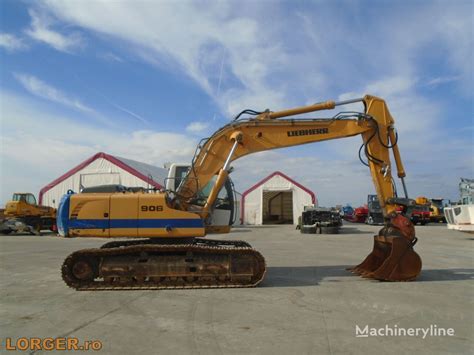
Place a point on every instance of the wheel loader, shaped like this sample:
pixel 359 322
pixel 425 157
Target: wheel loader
pixel 23 214
pixel 437 211
pixel 166 248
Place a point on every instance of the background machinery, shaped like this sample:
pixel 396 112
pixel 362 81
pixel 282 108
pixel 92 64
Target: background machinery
pixel 320 220
pixel 23 214
pixel 437 211
pixel 358 215
pixel 374 211
pixel 421 211
pixel 460 216
pixel 167 250
pixel 346 211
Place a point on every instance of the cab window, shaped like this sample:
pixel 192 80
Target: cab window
pixel 30 199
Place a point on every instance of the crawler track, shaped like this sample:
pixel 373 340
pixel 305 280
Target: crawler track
pixel 146 265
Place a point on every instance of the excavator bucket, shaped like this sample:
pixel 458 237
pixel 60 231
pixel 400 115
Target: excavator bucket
pixel 392 257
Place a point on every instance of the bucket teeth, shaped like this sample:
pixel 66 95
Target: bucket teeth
pixel 392 257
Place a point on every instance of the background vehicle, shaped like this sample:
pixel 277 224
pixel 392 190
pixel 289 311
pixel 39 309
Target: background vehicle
pixel 358 215
pixel 23 214
pixel 461 216
pixel 421 212
pixel 347 211
pixel 374 211
pixel 320 220
pixel 437 211
pixel 175 255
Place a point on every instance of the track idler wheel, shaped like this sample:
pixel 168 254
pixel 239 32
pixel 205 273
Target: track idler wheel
pixel 79 271
pixel 392 257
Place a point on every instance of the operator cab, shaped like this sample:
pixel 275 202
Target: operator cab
pixel 24 197
pixel 224 207
pixel 438 202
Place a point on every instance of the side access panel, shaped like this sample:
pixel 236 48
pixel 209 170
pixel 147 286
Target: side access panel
pixel 89 215
pixel 124 215
pixel 156 219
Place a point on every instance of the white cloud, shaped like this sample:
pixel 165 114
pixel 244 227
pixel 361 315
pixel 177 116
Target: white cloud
pixel 449 29
pixel 11 42
pixel 40 31
pixel 111 57
pixel 333 170
pixel 197 127
pixel 443 80
pixel 266 66
pixel 39 88
pixel 55 144
pixel 411 111
pixel 131 113
pixel 335 178
pixel 198 48
pixel 391 86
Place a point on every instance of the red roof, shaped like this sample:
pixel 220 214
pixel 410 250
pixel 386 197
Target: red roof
pixel 81 166
pixel 261 182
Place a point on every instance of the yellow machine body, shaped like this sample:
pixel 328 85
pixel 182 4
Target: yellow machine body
pixel 24 205
pixel 437 211
pixel 23 214
pixel 422 200
pixel 131 215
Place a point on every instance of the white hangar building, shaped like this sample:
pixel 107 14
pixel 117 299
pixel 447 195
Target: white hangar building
pixel 274 200
pixel 103 169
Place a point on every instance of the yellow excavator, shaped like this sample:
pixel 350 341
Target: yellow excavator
pixel 23 214
pixel 437 211
pixel 166 248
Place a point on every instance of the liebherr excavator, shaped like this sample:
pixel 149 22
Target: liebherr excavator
pixel 171 251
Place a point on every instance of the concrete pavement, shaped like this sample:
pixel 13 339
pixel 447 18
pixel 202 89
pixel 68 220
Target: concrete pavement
pixel 307 304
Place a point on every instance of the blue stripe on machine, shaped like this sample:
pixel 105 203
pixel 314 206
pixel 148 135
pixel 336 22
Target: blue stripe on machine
pixel 134 223
pixel 89 223
pixel 173 223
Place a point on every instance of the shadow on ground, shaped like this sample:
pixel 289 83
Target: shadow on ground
pixel 446 275
pixel 293 276
pixel 353 230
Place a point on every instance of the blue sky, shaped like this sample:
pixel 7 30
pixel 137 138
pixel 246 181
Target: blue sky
pixel 146 80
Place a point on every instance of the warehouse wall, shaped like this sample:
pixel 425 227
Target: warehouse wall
pixel 99 172
pixel 255 205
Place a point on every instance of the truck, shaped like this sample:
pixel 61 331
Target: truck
pixel 421 212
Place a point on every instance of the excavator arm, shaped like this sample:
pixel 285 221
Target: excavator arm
pixel 267 131
pixel 392 257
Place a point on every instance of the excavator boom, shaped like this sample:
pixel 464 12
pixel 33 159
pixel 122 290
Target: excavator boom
pixel 265 132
